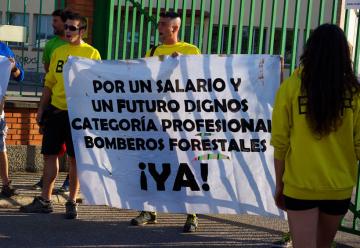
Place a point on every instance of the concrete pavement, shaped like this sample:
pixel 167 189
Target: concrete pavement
pixel 102 226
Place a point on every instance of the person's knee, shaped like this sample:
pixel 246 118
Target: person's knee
pixel 50 161
pixel 50 157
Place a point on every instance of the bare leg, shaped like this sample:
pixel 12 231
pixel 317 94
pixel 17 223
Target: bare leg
pixel 4 168
pixel 74 180
pixel 327 228
pixel 303 227
pixel 51 168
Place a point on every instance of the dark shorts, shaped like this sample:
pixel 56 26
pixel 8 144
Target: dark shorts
pixel 56 132
pixel 332 207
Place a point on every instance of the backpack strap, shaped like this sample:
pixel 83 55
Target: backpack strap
pixel 153 50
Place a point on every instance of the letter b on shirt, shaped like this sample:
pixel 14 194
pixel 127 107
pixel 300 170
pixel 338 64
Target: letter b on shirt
pixel 59 66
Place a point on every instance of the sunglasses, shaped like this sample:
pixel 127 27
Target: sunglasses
pixel 71 28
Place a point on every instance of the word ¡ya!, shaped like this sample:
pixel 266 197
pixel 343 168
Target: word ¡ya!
pixel 184 177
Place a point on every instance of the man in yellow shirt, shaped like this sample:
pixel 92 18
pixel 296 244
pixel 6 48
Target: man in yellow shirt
pixel 56 124
pixel 168 27
pixel 58 21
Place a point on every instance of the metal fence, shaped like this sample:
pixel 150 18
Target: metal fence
pixel 225 26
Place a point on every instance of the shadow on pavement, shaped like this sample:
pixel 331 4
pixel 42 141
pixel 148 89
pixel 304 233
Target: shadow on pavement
pixel 100 226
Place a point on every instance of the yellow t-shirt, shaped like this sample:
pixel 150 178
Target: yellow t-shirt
pixel 54 79
pixel 180 47
pixel 315 169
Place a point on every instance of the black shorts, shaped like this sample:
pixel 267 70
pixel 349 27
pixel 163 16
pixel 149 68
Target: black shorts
pixel 332 207
pixel 56 132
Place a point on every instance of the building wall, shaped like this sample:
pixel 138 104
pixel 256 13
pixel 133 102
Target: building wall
pixel 21 122
pixel 23 139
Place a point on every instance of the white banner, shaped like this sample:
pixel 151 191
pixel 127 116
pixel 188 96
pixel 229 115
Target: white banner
pixel 189 134
pixel 352 4
pixel 5 70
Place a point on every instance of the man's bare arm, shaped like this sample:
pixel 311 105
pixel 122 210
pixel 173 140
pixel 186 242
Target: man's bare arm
pixel 44 102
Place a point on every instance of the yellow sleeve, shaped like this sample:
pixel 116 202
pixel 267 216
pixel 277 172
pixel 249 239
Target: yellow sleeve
pixel 191 50
pixel 97 55
pixel 147 53
pixel 280 134
pixel 50 79
pixel 197 51
pixel 357 127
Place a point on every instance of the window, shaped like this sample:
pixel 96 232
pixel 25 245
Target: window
pixel 128 36
pixel 288 45
pixel 255 41
pixel 196 33
pixel 245 40
pixel 224 39
pixel 19 19
pixel 42 31
pixel 305 30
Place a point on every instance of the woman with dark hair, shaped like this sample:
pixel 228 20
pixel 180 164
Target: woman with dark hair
pixel 316 139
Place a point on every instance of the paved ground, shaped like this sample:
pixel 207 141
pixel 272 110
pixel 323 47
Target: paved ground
pixel 102 226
